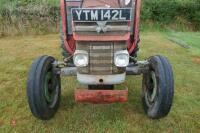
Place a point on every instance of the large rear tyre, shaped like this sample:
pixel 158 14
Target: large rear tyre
pixel 137 48
pixel 43 88
pixel 64 51
pixel 158 88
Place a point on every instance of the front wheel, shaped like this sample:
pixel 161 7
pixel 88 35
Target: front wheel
pixel 158 88
pixel 43 88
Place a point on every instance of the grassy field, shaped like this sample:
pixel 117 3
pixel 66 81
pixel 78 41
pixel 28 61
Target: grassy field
pixel 17 53
pixel 192 39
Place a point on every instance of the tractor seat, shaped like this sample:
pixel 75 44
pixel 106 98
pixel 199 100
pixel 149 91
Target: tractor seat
pixel 100 3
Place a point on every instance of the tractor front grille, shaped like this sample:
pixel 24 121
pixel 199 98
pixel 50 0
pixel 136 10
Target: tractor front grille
pixel 101 57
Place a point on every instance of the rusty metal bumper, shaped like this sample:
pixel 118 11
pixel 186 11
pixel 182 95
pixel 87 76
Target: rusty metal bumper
pixel 101 96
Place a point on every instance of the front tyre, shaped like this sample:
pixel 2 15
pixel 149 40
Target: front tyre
pixel 158 88
pixel 43 88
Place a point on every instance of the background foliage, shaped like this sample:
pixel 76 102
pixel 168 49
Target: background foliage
pixel 42 16
pixel 185 12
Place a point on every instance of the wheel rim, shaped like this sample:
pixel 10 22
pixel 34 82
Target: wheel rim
pixel 50 89
pixel 151 89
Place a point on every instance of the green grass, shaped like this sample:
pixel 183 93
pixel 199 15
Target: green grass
pixel 17 53
pixel 192 39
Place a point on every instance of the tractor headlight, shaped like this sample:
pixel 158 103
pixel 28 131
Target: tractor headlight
pixel 121 58
pixel 125 3
pixel 80 58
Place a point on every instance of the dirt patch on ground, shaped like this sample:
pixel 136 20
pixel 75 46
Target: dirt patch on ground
pixel 196 59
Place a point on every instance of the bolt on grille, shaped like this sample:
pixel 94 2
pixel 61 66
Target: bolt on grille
pixel 101 58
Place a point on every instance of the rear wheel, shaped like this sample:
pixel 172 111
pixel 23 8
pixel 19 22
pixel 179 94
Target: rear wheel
pixel 137 48
pixel 158 88
pixel 43 88
pixel 64 51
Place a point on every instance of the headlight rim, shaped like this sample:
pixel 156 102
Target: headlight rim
pixel 118 53
pixel 78 53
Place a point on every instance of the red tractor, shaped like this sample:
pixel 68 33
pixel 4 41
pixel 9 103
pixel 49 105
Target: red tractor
pixel 99 41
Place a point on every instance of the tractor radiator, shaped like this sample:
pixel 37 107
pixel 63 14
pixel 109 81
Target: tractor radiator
pixel 101 57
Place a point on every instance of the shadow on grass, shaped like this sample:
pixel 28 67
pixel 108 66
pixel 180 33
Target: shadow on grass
pixel 67 100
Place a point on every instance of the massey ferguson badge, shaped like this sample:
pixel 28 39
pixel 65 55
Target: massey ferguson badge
pixel 101 14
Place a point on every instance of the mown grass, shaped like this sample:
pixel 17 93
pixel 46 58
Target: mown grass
pixel 17 53
pixel 192 39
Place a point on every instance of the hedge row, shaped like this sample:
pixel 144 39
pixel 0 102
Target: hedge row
pixel 23 16
pixel 170 11
pixel 29 19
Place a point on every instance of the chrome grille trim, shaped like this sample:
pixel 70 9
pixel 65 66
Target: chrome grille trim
pixel 103 50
